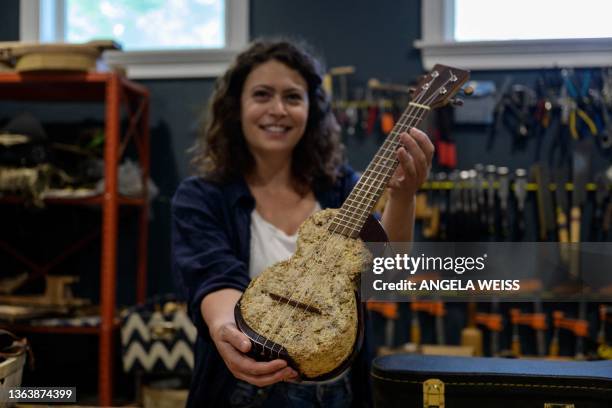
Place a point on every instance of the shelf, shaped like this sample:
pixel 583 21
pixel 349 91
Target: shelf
pixel 68 86
pixel 119 97
pixel 26 328
pixel 86 201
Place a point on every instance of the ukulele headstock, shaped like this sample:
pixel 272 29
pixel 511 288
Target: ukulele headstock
pixel 438 87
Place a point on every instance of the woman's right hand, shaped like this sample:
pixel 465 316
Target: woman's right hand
pixel 232 345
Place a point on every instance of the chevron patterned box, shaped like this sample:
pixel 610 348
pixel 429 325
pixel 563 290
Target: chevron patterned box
pixel 157 337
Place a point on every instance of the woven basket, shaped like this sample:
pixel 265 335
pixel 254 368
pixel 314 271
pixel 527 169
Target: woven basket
pixel 11 371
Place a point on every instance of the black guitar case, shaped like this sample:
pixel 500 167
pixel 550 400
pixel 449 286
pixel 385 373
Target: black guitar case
pixel 405 380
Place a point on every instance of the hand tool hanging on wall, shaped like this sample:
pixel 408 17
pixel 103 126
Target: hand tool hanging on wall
pixel 605 134
pixel 494 323
pixel 604 310
pixel 491 172
pixel 431 212
pixel 562 227
pixel 442 204
pixel 430 217
pixel 434 308
pixel 520 192
pixel 601 193
pixel 607 218
pixel 384 111
pixel 480 178
pixel 546 94
pixel 504 195
pixel 515 114
pixel 578 327
pixel 498 111
pixel 340 98
pixel 540 175
pixel 606 86
pixel 468 217
pixel 415 327
pixel 446 148
pixel 536 321
pixel 578 105
pixel 455 207
pixel 342 74
pixel 604 350
pixel 473 197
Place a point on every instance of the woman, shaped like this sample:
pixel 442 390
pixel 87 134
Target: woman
pixel 269 157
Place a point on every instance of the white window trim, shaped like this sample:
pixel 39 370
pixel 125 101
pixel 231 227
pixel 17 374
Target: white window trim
pixel 437 47
pixel 155 64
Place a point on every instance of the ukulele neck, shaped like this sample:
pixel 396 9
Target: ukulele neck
pixel 357 207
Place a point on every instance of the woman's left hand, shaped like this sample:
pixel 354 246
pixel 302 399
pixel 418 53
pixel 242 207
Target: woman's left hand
pixel 414 155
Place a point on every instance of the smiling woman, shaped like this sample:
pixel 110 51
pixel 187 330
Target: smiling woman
pixel 268 158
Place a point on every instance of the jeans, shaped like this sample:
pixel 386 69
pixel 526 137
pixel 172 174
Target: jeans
pixel 337 394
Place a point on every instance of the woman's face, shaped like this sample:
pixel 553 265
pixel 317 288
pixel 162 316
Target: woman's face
pixel 274 108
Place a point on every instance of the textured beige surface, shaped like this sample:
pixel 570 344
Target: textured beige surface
pixel 323 274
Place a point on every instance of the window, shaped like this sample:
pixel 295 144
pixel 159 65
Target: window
pixel 160 39
pixel 480 34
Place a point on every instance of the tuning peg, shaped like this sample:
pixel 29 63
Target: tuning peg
pixel 468 90
pixel 456 102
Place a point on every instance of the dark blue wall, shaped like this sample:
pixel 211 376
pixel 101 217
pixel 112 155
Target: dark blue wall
pixel 9 20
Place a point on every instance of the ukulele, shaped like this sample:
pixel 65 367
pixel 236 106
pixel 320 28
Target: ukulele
pixel 306 309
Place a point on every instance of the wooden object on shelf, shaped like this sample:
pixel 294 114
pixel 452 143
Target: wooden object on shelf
pixel 33 56
pixel 64 57
pixel 11 313
pixel 10 284
pixel 164 398
pixel 58 295
pixel 114 91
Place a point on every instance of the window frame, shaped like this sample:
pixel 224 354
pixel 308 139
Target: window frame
pixel 437 45
pixel 38 24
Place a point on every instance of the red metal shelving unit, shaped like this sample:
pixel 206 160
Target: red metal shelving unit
pixel 113 90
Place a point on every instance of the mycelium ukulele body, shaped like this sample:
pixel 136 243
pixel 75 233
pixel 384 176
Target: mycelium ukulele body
pixel 306 309
pixel 315 288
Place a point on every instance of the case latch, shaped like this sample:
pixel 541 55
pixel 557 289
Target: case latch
pixel 433 393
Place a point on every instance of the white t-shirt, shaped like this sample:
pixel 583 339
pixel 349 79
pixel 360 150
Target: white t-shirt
pixel 269 244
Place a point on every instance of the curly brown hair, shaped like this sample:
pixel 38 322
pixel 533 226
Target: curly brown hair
pixel 221 152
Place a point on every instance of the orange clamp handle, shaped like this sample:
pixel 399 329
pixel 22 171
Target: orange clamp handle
pixel 492 321
pixel 387 309
pixel 433 308
pixel 536 321
pixel 579 327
